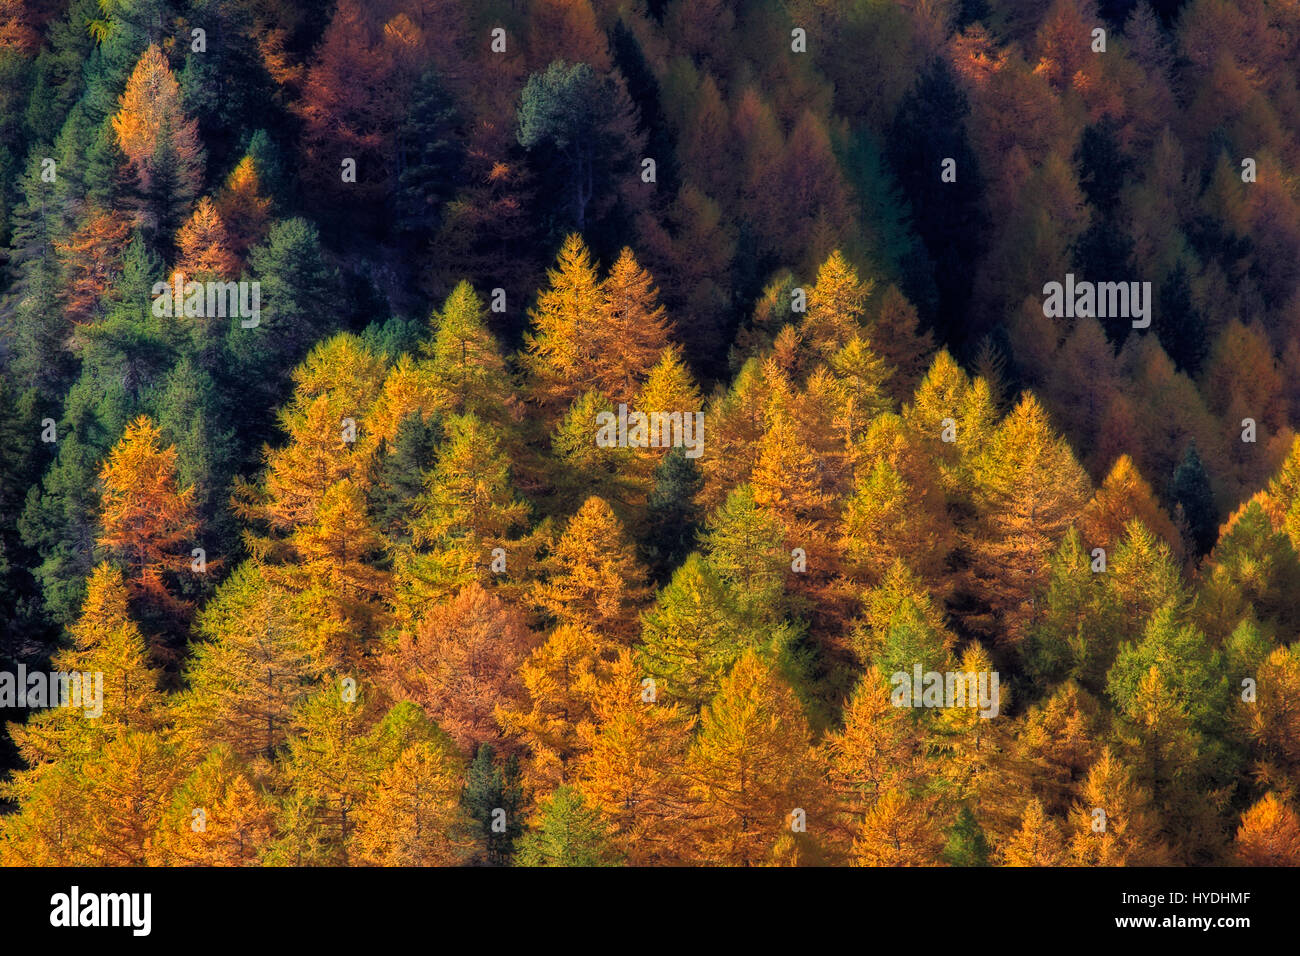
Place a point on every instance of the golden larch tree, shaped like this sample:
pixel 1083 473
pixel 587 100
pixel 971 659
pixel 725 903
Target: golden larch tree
pixel 752 770
pixel 594 579
pixel 1269 834
pixel 631 769
pixel 146 518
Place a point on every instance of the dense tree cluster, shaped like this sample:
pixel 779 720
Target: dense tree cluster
pixel 365 589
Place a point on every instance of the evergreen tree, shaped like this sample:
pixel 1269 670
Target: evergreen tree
pixel 930 126
pixel 400 476
pixel 494 800
pixel 430 156
pixel 672 513
pixel 1190 492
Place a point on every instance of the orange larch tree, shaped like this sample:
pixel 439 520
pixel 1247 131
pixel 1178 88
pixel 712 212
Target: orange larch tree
pixel 146 518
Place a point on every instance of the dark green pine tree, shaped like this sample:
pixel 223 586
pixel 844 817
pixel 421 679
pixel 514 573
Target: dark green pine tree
pixel 187 407
pixel 58 71
pixel 60 516
pixel 1190 492
pixel 567 833
pixel 129 344
pixel 399 477
pixel 299 303
pixel 36 221
pixel 430 156
pixel 1104 252
pixel 673 515
pixel 20 459
pixel 107 182
pixel 930 126
pixel 40 360
pixel 164 199
pixel 643 87
pixel 579 129
pixel 494 800
pixel 227 82
pixel 394 337
pixel 966 844
pixel 268 158
pixel 1181 328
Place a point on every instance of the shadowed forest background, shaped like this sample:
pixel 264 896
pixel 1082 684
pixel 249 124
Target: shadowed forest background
pixel 364 588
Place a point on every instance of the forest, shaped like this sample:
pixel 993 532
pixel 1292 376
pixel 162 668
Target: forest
pixel 636 433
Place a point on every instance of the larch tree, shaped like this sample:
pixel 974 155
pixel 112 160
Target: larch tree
pixel 468 371
pixel 581 468
pixel 1143 575
pixel 752 769
pixel 249 670
pixel 460 662
pixel 694 634
pixel 560 678
pixel 894 329
pixel 1269 834
pixel 1252 570
pixel 1056 743
pixel 51 828
pixel 736 419
pixel 244 211
pixel 632 333
pixel 745 546
pixel 566 831
pixel 837 306
pixel 881 521
pixel 339 380
pixel 669 386
pixel 1113 822
pixel 1030 491
pixel 592 576
pixel 1274 721
pixel 861 380
pixel 107 641
pixel 341 589
pixel 568 312
pixel 901 624
pixel 955 418
pixel 880 749
pixel 894 461
pixel 128 786
pixel 1038 842
pixel 332 764
pixel 898 830
pixel 160 144
pixel 217 816
pixel 788 481
pixel 92 261
pixel 414 816
pixel 468 510
pixel 352 99
pixel 1123 496
pixel 205 246
pixel 632 762
pixel 146 518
